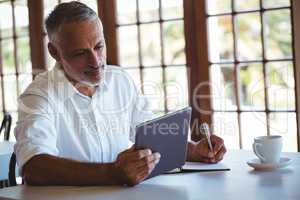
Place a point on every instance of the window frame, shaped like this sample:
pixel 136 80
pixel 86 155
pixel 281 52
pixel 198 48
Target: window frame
pixel 164 66
pixel 197 14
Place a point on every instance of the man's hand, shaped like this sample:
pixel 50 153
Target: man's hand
pixel 133 166
pixel 199 151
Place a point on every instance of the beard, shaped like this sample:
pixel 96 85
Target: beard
pixel 96 83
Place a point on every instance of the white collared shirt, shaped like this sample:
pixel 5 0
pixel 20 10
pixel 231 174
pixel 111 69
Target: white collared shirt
pixel 55 119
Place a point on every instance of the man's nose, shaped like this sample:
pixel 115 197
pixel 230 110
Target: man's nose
pixel 95 59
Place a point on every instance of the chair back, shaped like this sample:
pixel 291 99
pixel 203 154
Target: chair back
pixel 6 125
pixel 12 170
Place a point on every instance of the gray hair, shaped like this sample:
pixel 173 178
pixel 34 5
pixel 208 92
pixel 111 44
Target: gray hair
pixel 73 11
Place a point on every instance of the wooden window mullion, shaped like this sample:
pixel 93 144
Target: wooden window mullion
pixel 36 33
pixel 236 74
pixel 296 45
pixel 107 14
pixel 15 47
pixel 2 76
pixel 141 66
pixel 265 71
pixel 162 54
pixel 197 63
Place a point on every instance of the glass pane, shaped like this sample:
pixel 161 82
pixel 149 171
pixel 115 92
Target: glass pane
pixel 242 5
pixel 218 6
pixel 10 92
pixel 278 35
pixel 226 126
pixel 91 3
pixel 253 124
pixel 222 87
pixel 21 14
pixel 251 86
pixel 148 10
pixel 129 46
pixel 153 88
pixel 220 38
pixel 150 42
pixel 172 9
pixel 8 61
pixel 24 81
pixel 281 85
pixel 176 87
pixel 6 22
pixel 174 43
pixel 285 124
pixel 126 11
pixel 135 75
pixel 24 55
pixel 249 45
pixel 275 3
pixel 49 6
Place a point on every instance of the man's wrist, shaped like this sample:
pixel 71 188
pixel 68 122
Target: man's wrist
pixel 116 174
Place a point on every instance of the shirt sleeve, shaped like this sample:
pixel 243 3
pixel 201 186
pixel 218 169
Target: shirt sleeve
pixel 35 130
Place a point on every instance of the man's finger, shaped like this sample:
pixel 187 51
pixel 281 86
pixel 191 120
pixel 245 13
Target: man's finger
pixel 127 152
pixel 218 143
pixel 138 154
pixel 142 175
pixel 219 156
pixel 138 176
pixel 152 159
pixel 208 160
pixel 202 149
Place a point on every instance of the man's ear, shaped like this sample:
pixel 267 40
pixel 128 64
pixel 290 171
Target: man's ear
pixel 53 52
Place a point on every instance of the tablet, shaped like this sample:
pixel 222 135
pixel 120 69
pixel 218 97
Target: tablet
pixel 167 135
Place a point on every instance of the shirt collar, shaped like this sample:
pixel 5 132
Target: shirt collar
pixel 64 89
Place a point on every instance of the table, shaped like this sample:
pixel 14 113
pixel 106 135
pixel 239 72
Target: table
pixel 6 149
pixel 240 183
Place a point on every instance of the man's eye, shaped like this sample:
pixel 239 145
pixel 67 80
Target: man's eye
pixel 99 47
pixel 80 53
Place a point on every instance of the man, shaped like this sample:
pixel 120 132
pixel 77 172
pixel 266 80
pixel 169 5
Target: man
pixel 76 120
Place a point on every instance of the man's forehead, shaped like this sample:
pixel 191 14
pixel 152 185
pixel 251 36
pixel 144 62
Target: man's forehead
pixel 81 26
pixel 80 32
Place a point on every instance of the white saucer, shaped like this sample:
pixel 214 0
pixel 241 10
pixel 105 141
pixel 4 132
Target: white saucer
pixel 257 165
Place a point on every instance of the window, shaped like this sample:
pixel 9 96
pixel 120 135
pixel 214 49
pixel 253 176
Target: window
pixel 15 61
pixel 252 70
pixel 250 62
pixel 151 48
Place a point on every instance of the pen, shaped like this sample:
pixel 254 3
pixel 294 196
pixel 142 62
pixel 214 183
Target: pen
pixel 204 129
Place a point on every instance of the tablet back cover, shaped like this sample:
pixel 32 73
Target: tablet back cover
pixel 168 136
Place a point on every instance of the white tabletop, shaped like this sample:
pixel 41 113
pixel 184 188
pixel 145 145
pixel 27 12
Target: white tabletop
pixel 241 182
pixel 6 149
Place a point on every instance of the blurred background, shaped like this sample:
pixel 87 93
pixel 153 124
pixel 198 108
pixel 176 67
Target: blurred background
pixel 248 50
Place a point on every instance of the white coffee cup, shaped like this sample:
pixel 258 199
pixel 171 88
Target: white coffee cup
pixel 268 148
